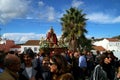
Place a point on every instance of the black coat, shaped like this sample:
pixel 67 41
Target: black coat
pixel 24 76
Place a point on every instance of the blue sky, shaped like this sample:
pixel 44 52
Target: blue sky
pixel 22 20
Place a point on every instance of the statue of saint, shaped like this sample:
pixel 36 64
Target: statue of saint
pixel 52 38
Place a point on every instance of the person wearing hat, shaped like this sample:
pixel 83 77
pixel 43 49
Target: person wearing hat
pixel 29 70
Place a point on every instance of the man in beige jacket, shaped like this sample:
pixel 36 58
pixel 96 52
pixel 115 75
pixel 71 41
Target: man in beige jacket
pixel 12 66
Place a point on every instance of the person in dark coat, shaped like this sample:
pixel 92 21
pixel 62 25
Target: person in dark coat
pixel 29 70
pixel 45 71
pixel 99 72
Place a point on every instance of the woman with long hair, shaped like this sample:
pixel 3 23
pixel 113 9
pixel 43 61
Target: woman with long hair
pixel 60 68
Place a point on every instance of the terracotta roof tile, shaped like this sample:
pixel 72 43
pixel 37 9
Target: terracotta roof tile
pixel 112 39
pixel 32 42
pixel 99 48
pixel 16 46
pixel 6 46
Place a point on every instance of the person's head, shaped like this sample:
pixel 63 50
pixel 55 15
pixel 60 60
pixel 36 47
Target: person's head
pixel 76 54
pixel 51 30
pixel 12 62
pixel 30 52
pixel 28 56
pixel 45 62
pixel 104 59
pixel 67 76
pixel 98 52
pixel 58 64
pixel 27 59
pixel 111 56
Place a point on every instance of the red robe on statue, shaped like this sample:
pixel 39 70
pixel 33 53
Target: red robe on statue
pixel 52 38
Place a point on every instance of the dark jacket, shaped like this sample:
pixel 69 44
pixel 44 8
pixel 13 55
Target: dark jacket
pixel 46 74
pixel 24 76
pixel 99 73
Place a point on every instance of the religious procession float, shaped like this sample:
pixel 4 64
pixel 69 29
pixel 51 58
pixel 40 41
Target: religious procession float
pixel 51 43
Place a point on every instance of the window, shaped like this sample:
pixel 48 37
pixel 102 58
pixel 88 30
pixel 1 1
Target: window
pixel 35 48
pixel 25 48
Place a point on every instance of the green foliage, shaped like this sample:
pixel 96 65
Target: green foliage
pixel 73 26
pixel 43 43
pixel 73 23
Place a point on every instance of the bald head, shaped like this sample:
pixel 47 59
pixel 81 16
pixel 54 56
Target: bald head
pixel 12 62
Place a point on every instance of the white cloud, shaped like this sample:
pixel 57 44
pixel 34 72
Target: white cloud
pixel 22 37
pixel 47 12
pixel 51 14
pixel 117 19
pixel 103 18
pixel 18 9
pixel 40 3
pixel 10 9
pixel 76 3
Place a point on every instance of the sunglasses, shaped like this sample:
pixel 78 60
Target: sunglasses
pixel 51 63
pixel 45 63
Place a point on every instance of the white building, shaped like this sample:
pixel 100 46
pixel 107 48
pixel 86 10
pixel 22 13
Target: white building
pixel 2 41
pixel 33 44
pixel 110 44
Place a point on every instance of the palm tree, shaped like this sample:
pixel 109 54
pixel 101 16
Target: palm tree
pixel 73 27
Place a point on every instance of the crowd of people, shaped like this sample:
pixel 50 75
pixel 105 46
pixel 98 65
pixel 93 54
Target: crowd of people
pixel 67 65
pixel 55 65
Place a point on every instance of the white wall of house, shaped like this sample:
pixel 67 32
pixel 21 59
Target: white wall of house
pixel 112 46
pixel 108 45
pixel 15 49
pixel 34 48
pixel 103 43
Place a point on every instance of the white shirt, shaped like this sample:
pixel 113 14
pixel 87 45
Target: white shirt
pixel 29 71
